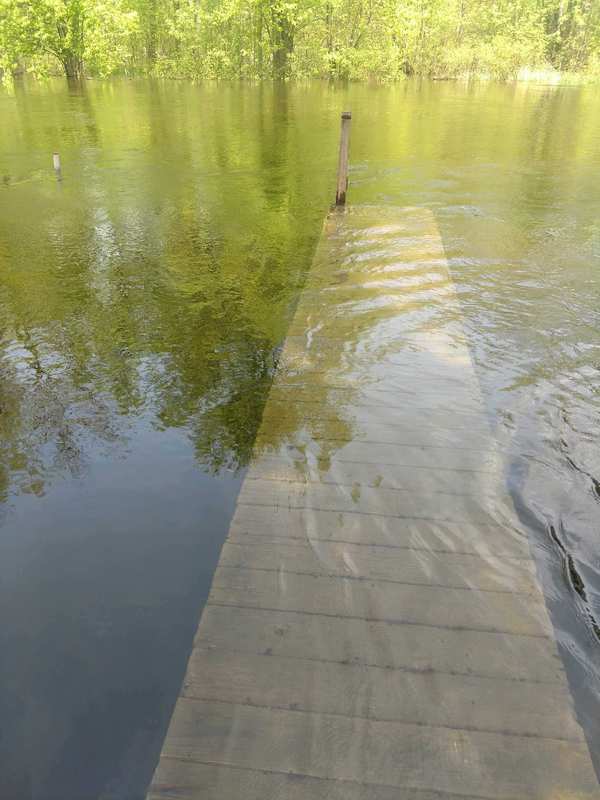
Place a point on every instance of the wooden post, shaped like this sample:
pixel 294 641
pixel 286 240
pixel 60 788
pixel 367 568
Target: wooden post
pixel 342 181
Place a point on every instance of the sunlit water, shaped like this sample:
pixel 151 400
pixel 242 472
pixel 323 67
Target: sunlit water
pixel 143 299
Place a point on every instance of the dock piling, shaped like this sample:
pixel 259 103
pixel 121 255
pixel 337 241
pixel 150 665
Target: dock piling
pixel 342 181
pixel 56 165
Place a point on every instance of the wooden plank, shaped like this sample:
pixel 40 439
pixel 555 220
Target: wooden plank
pixel 382 453
pixel 437 606
pixel 389 753
pixel 273 523
pixel 380 500
pixel 366 427
pixel 318 388
pixel 353 690
pixel 190 780
pixel 388 383
pixel 417 648
pixel 389 380
pixel 452 570
pixel 285 467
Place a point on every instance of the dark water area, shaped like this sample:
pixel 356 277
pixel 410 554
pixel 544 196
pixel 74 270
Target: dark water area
pixel 143 299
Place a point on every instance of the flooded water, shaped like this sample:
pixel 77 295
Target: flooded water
pixel 143 300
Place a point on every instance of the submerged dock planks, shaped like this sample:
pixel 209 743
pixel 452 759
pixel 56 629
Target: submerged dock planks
pixel 374 629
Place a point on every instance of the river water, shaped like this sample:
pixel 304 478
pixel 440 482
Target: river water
pixel 143 299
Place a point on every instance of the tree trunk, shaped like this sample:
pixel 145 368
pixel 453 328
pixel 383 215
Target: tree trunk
pixel 72 66
pixel 283 41
pixel 151 33
pixel 71 40
pixel 259 42
pixel 555 28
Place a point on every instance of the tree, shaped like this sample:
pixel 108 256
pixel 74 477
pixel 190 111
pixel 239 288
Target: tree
pixel 348 39
pixel 74 32
pixel 282 29
pixel 573 28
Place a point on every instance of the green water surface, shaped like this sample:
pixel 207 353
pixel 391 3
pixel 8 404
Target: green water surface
pixel 143 299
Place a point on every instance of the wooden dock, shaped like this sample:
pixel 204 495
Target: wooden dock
pixel 375 630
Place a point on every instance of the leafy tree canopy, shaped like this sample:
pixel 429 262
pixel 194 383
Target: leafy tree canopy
pixel 349 39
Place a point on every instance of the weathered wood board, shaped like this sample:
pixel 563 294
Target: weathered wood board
pixel 375 629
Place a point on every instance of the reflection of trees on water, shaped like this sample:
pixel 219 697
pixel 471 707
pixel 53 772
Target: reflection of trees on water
pixel 157 279
pixel 46 424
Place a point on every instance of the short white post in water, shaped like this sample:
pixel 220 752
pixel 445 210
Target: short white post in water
pixel 56 161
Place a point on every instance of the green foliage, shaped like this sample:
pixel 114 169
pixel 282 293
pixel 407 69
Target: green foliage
pixel 42 34
pixel 346 39
pixel 108 49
